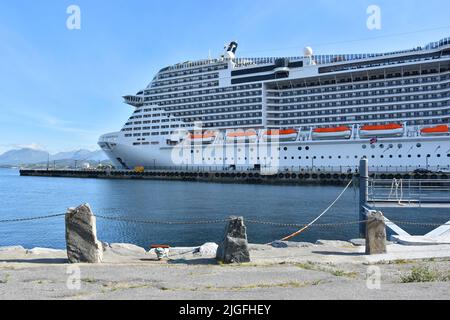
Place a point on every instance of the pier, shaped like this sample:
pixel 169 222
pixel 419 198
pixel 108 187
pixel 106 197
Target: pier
pixel 295 176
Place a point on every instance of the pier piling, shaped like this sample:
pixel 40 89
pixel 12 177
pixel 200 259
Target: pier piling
pixel 363 194
pixel 81 236
pixel 234 246
pixel 375 233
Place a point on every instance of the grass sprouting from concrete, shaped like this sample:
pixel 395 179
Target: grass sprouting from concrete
pixel 424 274
pixel 5 278
pixel 335 272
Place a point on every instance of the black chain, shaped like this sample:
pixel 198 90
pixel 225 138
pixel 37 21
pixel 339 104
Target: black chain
pixel 33 218
pixel 123 219
pixel 216 221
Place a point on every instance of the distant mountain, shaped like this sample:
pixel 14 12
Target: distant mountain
pixel 28 156
pixel 80 155
pixel 23 156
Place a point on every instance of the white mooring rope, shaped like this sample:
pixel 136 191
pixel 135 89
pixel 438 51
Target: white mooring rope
pixel 318 217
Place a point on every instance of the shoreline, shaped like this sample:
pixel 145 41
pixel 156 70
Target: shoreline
pixel 291 270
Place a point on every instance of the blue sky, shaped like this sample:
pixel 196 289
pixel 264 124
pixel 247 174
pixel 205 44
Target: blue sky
pixel 60 89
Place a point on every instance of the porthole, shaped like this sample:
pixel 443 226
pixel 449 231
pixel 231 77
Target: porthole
pixel 381 156
pixel 299 148
pixel 364 146
pixel 306 148
pixel 428 155
pixel 285 148
pixel 438 155
pixel 373 157
pixel 418 145
pixel 400 146
pixel 391 145
pixel 381 146
pixel 418 156
pixel 390 156
pixel 409 156
pixel 372 146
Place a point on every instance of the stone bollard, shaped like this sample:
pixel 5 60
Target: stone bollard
pixel 375 233
pixel 81 236
pixel 234 246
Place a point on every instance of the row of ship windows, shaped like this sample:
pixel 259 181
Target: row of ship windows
pixel 345 119
pixel 166 75
pixel 376 85
pixel 216 104
pixel 364 109
pixel 389 79
pixel 315 157
pixel 207 118
pixel 350 98
pixel 219 110
pixel 227 116
pixel 192 87
pixel 241 123
pixel 200 92
pixel 364 93
pixel 364 103
pixel 391 109
pixel 185 80
pixel 212 97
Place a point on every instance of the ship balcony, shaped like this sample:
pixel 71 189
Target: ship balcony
pixel 135 101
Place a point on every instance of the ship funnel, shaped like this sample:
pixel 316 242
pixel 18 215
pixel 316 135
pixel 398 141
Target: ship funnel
pixel 230 50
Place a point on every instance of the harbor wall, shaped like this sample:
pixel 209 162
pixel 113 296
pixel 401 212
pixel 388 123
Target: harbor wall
pixel 255 177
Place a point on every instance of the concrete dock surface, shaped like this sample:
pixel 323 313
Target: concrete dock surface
pixel 284 270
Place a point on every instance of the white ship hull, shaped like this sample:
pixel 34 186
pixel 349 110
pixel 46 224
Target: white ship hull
pixel 390 154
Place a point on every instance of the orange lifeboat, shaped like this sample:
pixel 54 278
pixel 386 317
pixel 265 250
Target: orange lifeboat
pixel 205 137
pixel 342 132
pixel 242 136
pixel 281 135
pixel 435 131
pixel 385 130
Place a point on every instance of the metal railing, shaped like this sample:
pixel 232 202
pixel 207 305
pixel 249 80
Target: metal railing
pixel 409 190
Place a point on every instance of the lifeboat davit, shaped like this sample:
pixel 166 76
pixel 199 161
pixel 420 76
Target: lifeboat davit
pixel 242 136
pixel 281 135
pixel 435 131
pixel 342 132
pixel 206 137
pixel 385 130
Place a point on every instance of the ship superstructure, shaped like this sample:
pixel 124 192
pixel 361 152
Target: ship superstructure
pixel 310 111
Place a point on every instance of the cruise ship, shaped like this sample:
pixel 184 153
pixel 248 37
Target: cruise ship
pixel 292 113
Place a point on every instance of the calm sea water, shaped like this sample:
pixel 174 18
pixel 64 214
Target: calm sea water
pixel 167 200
